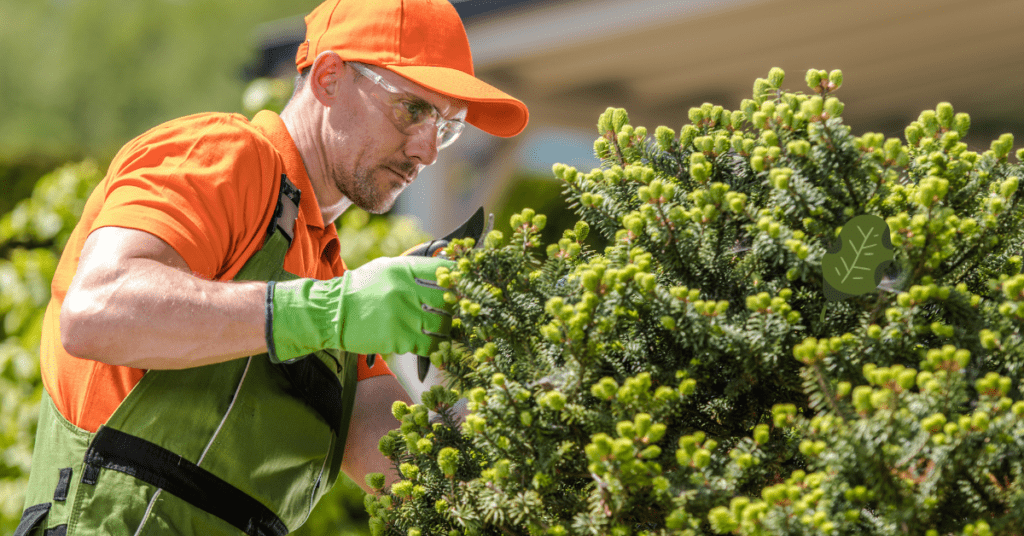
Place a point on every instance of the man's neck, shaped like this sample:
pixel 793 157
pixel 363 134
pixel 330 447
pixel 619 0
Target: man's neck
pixel 304 129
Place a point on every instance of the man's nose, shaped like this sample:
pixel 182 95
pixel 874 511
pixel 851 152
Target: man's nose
pixel 422 144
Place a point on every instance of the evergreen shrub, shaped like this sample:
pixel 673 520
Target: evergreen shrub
pixel 694 378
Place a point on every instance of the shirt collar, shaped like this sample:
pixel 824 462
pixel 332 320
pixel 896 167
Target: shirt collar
pixel 274 129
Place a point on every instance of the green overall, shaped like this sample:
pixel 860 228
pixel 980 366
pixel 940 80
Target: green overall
pixel 240 447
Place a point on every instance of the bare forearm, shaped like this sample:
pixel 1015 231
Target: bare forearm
pixel 154 314
pixel 371 420
pixel 165 321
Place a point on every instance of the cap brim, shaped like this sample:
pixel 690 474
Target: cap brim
pixel 490 109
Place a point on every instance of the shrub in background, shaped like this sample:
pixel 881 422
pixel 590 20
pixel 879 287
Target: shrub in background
pixel 685 380
pixel 32 235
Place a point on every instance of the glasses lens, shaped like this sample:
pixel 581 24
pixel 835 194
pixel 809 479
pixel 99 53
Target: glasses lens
pixel 409 113
pixel 448 132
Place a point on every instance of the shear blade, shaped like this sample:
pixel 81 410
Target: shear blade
pixel 422 367
pixel 472 228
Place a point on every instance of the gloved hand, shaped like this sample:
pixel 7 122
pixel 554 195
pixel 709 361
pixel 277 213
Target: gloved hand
pixel 388 305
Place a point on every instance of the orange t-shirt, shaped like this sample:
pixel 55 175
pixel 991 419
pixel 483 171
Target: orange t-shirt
pixel 206 185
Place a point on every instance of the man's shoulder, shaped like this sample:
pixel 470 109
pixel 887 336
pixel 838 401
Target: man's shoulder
pixel 205 184
pixel 202 137
pixel 206 124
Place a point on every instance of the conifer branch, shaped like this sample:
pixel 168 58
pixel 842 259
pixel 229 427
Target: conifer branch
pixel 626 390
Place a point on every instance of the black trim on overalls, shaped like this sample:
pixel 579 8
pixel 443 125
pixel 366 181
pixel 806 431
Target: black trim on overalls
pixel 312 379
pixel 155 465
pixel 318 385
pixel 60 494
pixel 31 518
pixel 287 209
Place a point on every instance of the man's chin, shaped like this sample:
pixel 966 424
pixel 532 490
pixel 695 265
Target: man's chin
pixel 380 205
pixel 380 199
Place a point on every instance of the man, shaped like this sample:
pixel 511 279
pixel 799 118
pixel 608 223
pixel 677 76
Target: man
pixel 179 401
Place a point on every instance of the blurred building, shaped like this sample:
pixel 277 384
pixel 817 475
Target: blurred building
pixel 571 59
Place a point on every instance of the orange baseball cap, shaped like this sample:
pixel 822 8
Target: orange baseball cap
pixel 421 40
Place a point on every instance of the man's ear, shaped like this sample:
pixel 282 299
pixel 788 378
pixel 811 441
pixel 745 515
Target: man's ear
pixel 326 77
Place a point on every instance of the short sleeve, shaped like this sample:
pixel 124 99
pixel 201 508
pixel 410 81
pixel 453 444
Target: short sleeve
pixel 371 366
pixel 202 184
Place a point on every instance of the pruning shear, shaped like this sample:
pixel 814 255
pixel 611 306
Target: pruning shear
pixel 476 228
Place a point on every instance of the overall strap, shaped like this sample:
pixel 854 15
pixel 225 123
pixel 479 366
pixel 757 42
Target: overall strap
pixel 32 518
pixel 268 262
pixel 315 377
pixel 125 453
pixel 287 209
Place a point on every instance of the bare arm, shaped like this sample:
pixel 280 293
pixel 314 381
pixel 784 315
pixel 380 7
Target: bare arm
pixel 134 302
pixel 371 420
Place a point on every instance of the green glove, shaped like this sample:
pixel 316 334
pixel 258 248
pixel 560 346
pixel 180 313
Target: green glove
pixel 389 305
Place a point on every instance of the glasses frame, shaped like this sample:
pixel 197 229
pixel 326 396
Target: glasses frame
pixel 448 130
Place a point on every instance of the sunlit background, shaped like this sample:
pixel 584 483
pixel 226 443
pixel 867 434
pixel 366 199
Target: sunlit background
pixel 79 78
pixel 569 60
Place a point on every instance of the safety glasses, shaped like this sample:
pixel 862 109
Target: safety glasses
pixel 408 112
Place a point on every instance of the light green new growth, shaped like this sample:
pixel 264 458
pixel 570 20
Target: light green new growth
pixel 683 381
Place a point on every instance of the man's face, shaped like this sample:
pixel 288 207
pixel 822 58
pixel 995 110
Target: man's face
pixel 368 158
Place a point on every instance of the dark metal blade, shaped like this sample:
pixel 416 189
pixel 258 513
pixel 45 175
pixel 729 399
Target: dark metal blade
pixel 473 227
pixel 422 367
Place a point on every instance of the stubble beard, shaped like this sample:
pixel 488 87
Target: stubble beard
pixel 365 193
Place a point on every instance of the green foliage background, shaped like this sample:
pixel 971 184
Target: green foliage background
pixel 31 237
pixel 80 78
pixel 702 398
pixel 683 381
